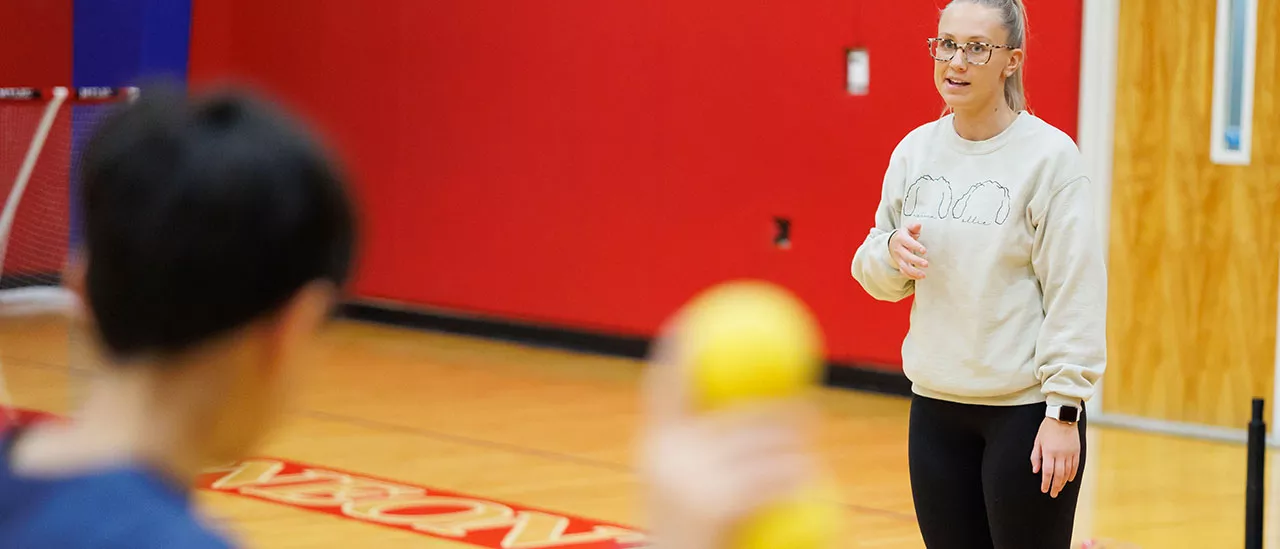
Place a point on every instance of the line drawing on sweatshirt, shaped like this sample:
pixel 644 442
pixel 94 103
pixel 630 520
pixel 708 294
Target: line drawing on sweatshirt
pixel 991 204
pixel 928 197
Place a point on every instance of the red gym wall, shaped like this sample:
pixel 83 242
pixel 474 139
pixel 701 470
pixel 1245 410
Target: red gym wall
pixel 38 51
pixel 37 37
pixel 593 164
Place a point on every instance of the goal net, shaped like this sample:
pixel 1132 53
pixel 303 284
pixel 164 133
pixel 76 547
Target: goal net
pixel 42 131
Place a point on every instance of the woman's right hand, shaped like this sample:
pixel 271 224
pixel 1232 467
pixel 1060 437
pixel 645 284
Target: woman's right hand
pixel 907 253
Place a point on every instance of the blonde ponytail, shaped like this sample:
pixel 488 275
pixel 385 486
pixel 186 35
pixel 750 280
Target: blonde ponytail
pixel 1016 24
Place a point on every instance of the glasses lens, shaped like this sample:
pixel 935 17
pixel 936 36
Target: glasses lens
pixel 977 54
pixel 942 50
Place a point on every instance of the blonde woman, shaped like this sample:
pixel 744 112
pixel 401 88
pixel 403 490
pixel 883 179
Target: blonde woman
pixel 986 218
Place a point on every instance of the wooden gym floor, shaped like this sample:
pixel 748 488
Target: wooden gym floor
pixel 493 430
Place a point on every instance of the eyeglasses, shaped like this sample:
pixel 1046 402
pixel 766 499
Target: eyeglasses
pixel 975 53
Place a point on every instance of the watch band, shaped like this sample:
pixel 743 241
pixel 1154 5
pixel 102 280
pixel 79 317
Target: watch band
pixel 1065 414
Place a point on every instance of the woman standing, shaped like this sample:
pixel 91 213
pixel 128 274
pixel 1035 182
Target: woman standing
pixel 986 216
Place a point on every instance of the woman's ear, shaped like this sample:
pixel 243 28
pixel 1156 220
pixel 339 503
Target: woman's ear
pixel 1015 62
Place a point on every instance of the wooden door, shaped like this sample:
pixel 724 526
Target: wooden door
pixel 1195 246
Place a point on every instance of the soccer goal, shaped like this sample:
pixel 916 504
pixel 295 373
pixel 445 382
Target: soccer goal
pixel 42 131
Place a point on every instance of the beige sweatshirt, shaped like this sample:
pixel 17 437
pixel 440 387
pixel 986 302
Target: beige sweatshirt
pixel 1013 306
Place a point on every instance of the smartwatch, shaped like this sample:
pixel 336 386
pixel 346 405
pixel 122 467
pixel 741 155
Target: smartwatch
pixel 1065 414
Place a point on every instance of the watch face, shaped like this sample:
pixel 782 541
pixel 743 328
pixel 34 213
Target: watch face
pixel 1069 414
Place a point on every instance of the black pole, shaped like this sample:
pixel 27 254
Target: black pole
pixel 1254 490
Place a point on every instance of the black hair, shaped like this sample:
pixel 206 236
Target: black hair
pixel 202 215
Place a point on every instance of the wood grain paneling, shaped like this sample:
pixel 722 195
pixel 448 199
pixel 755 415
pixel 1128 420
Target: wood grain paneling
pixel 1195 247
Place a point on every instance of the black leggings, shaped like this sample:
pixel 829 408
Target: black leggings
pixel 972 482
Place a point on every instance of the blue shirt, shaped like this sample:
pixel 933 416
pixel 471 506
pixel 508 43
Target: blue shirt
pixel 114 508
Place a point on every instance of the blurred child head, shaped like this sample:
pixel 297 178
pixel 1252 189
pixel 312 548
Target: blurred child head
pixel 218 235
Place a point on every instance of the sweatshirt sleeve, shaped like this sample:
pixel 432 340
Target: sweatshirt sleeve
pixel 872 266
pixel 1067 258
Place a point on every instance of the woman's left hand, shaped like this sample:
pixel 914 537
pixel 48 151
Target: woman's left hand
pixel 1056 455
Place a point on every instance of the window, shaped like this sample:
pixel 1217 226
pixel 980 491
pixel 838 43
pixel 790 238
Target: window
pixel 1233 68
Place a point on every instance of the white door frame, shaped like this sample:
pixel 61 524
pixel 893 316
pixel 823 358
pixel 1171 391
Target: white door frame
pixel 1098 56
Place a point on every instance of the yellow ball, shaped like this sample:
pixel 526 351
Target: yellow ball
pixel 811 521
pixel 750 340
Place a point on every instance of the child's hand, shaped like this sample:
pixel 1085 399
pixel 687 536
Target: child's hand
pixel 705 472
